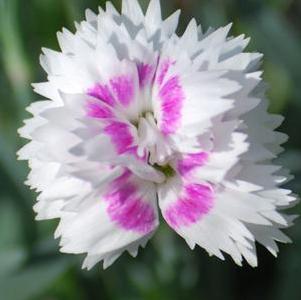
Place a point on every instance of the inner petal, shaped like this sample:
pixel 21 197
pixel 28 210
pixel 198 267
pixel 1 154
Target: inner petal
pixel 151 140
pixel 137 134
pixel 132 205
pixel 185 203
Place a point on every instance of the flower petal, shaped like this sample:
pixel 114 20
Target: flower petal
pixel 132 9
pixel 121 218
pixel 222 219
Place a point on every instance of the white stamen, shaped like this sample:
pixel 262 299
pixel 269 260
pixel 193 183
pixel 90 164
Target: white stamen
pixel 151 139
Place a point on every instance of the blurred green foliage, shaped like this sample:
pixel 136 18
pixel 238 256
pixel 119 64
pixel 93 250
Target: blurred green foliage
pixel 31 267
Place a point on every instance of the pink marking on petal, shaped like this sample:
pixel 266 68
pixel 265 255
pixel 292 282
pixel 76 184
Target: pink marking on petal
pixel 127 209
pixel 163 69
pixel 122 179
pixel 124 88
pixel 172 97
pixel 103 93
pixel 99 111
pixel 191 161
pixel 190 208
pixel 120 135
pixel 145 72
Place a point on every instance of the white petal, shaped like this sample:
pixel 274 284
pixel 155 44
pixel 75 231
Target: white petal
pixel 132 9
pixel 221 220
pixel 171 23
pixel 153 18
pixel 123 217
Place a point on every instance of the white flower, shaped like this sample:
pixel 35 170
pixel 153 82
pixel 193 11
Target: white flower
pixel 139 118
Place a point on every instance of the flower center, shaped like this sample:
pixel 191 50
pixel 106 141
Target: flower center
pixel 167 170
pixel 152 142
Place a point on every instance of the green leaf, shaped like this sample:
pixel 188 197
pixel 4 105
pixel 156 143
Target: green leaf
pixel 12 252
pixel 10 225
pixel 277 39
pixel 10 260
pixel 280 85
pixel 13 53
pixel 291 159
pixel 32 281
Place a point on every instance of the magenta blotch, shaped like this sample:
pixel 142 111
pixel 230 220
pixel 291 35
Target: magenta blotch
pixel 145 73
pixel 124 89
pixel 121 136
pixel 103 93
pixel 196 202
pixel 172 97
pixel 99 111
pixel 163 69
pixel 191 161
pixel 128 209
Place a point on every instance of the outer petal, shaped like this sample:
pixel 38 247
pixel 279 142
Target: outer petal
pixel 132 10
pixel 238 163
pixel 222 219
pixel 122 217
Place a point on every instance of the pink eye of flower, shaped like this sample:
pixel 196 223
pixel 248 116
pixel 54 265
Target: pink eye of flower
pixel 158 125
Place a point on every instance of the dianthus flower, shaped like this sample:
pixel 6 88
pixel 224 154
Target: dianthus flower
pixel 140 120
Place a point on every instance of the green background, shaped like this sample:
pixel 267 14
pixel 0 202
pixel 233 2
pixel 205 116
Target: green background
pixel 31 266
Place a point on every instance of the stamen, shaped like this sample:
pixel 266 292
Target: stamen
pixel 146 115
pixel 167 170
